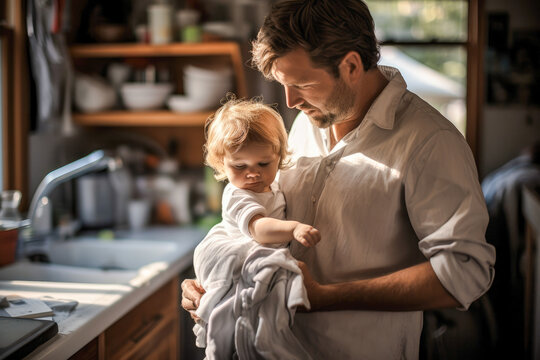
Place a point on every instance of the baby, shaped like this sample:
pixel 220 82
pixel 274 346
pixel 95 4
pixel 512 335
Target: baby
pixel 246 144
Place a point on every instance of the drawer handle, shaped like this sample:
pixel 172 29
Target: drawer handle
pixel 146 328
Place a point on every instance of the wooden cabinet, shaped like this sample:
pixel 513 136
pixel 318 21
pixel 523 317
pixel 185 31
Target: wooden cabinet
pixel 160 125
pixel 150 331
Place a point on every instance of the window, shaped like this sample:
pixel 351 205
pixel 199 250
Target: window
pixel 429 41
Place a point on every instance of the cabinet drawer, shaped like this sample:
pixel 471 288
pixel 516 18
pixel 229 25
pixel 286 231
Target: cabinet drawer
pixel 161 345
pixel 140 327
pixel 89 352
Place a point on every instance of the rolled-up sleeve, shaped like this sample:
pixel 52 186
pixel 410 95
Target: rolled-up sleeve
pixel 448 213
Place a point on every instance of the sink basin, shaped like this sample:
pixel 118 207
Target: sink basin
pixel 132 258
pixel 110 255
pixel 92 260
pixel 27 271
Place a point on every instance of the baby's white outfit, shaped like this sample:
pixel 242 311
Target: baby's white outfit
pixel 243 281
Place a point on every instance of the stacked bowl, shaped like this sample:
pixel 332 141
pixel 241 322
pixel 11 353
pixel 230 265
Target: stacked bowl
pixel 204 87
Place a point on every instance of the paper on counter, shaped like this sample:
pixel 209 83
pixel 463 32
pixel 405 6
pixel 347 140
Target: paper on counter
pixel 27 308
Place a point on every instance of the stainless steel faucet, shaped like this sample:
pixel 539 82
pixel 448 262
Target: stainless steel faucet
pixel 94 161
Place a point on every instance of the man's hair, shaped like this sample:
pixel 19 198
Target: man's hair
pixel 238 122
pixel 326 29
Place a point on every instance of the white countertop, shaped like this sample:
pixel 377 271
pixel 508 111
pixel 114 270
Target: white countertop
pixel 104 296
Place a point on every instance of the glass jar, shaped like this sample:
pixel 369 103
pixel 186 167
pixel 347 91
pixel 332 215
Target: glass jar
pixel 10 200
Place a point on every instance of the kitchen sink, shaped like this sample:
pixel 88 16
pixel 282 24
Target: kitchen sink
pixel 129 254
pixel 132 258
pixel 30 271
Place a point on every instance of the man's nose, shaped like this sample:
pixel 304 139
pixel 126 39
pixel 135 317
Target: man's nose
pixel 292 96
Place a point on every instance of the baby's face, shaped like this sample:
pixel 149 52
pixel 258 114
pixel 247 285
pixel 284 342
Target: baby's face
pixel 253 167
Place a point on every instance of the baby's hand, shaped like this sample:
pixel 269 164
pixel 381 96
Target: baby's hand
pixel 306 235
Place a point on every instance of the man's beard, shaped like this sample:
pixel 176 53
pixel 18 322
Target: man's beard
pixel 339 106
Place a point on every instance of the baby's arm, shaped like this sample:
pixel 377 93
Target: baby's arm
pixel 266 230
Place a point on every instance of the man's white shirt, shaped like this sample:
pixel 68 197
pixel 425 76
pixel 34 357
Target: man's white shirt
pixel 399 189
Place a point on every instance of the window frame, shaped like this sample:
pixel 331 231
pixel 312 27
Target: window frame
pixel 474 79
pixel 6 37
pixel 17 102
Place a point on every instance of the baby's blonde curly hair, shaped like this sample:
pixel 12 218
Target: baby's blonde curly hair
pixel 237 122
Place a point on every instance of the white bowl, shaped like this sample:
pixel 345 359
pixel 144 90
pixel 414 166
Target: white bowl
pixel 183 103
pixel 207 92
pixel 92 94
pixel 142 96
pixel 207 85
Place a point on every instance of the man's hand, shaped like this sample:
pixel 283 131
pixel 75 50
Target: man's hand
pixel 315 291
pixel 192 292
pixel 306 235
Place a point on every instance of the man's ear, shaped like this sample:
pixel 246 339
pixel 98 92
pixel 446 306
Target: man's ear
pixel 351 67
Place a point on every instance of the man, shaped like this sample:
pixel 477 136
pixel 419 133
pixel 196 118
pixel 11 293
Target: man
pixel 388 181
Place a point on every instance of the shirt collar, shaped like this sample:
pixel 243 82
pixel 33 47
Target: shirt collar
pixel 383 110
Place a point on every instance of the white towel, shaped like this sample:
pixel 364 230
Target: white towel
pixel 248 308
pixel 269 291
pixel 217 262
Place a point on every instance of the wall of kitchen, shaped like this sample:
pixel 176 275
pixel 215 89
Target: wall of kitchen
pixel 511 112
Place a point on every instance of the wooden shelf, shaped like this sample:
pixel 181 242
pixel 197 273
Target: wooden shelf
pixel 141 118
pixel 131 50
pixel 147 50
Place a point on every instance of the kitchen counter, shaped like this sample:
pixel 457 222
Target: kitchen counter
pixel 104 296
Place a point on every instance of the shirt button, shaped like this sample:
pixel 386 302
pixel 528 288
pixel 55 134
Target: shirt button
pixel 313 200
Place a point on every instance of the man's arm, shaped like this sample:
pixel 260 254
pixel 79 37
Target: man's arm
pixel 266 230
pixel 410 289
